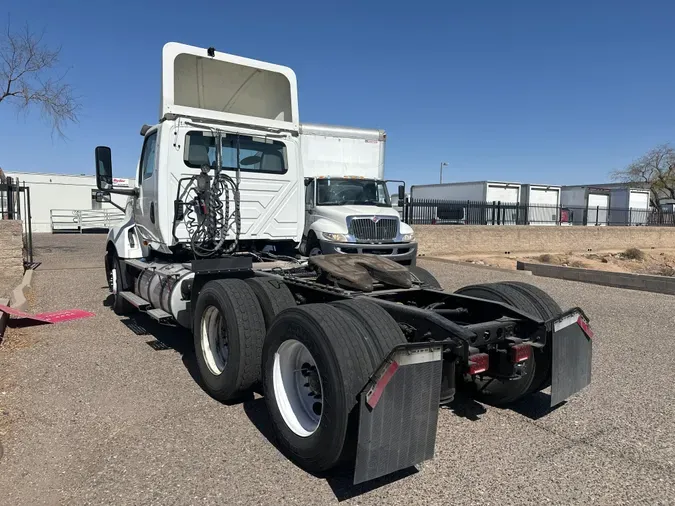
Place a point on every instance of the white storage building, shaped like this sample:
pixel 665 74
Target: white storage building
pixel 602 205
pixel 63 202
pixel 518 203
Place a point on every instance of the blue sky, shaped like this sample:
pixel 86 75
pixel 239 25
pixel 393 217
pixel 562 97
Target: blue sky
pixel 519 90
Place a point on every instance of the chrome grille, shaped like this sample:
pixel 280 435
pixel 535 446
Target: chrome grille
pixel 368 229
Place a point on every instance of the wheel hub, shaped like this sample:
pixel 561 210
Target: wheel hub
pixel 298 389
pixel 215 342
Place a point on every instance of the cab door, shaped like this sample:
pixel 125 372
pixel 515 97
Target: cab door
pixel 145 206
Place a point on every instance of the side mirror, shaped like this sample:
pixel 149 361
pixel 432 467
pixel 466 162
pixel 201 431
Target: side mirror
pixel 102 196
pixel 401 192
pixel 104 177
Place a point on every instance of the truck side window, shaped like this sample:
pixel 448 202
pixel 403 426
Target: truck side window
pixel 148 156
pixel 309 195
pixel 249 153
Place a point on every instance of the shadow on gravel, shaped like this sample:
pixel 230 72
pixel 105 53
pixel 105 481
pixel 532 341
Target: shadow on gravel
pixel 535 406
pixel 166 337
pixel 339 480
pixel 465 407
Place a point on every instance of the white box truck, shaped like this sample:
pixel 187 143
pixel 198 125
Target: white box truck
pixel 348 208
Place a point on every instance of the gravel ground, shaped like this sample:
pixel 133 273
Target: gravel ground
pixel 96 414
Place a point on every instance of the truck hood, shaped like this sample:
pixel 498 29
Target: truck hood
pixel 342 212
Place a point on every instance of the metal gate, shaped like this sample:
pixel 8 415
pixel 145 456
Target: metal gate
pixel 15 205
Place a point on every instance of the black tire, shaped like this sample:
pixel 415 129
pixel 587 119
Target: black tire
pixel 120 306
pixel 238 314
pixel 381 332
pixel 273 296
pixel 496 391
pixel 344 367
pixel 425 277
pixel 547 309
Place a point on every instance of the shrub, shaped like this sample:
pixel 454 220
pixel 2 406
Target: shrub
pixel 667 271
pixel 545 258
pixel 634 254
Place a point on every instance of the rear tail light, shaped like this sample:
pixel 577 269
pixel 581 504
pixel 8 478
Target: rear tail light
pixel 520 353
pixel 479 363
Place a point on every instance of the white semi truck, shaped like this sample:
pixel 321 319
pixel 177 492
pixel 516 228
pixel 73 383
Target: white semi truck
pixel 346 349
pixel 347 202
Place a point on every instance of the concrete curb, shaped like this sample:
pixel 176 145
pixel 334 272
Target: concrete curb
pixel 17 298
pixel 477 266
pixel 642 282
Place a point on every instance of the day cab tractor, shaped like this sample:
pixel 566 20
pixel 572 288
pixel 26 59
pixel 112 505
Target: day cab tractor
pixel 352 353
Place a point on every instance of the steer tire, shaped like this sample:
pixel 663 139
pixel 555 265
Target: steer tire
pixel 495 391
pixel 547 308
pixel 273 296
pixel 237 313
pixel 120 306
pixel 333 339
pixel 425 277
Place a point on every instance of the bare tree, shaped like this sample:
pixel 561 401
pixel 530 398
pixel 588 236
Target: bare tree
pixel 29 78
pixel 657 169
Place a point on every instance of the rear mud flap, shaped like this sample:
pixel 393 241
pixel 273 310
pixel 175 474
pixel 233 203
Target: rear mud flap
pixel 399 412
pixel 572 352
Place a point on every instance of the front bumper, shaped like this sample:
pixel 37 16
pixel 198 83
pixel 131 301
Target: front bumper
pixel 401 252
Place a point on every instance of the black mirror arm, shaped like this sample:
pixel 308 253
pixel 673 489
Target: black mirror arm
pixel 118 207
pixel 131 192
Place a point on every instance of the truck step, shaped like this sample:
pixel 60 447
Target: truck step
pixel 135 300
pixel 160 315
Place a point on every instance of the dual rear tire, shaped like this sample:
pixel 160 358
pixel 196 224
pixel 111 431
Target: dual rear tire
pixel 313 360
pixel 535 372
pixel 338 347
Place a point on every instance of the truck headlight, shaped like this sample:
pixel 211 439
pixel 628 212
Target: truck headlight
pixel 407 237
pixel 334 237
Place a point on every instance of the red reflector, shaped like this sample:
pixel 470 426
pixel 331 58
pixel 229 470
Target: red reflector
pixel 585 327
pixel 479 363
pixel 381 384
pixel 520 353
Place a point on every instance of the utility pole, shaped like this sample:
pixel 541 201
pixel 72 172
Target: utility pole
pixel 442 164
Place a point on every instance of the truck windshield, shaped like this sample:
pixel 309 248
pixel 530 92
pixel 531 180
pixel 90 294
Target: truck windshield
pixel 364 192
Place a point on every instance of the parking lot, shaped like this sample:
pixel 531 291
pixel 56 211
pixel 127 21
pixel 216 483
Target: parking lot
pixel 97 412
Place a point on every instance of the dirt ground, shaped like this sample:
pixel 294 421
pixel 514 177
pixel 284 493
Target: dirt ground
pixel 633 260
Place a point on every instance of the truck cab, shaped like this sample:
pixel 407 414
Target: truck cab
pixel 348 208
pixel 247 107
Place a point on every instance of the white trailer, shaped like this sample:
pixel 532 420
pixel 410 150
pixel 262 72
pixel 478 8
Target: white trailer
pixel 67 202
